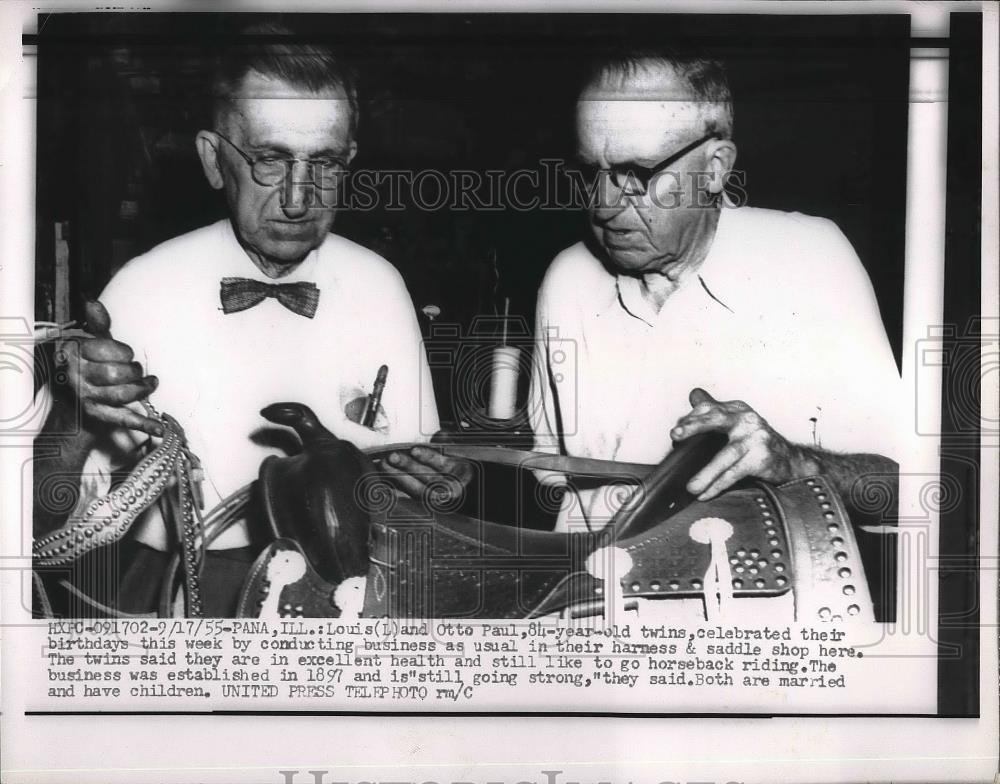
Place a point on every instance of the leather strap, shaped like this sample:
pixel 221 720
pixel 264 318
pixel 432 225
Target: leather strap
pixel 107 519
pixel 538 461
pixel 831 583
pixel 166 474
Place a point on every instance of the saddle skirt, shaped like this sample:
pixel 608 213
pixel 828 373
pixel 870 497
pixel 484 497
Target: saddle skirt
pixel 337 523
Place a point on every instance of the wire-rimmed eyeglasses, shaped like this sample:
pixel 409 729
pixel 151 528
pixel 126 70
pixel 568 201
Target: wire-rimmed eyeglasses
pixel 270 170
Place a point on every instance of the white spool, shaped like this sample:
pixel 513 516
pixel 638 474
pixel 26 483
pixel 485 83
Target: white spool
pixel 503 382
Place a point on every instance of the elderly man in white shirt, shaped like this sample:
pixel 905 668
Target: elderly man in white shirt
pixel 682 313
pixel 265 307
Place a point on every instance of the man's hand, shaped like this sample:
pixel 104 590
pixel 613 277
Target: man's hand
pixel 424 473
pixel 754 448
pixel 102 374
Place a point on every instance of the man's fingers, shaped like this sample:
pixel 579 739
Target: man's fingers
pixel 426 473
pixel 403 462
pixel 119 394
pixel 105 350
pixel 108 378
pixel 699 395
pixel 97 318
pixel 438 481
pixel 431 458
pixel 690 424
pixel 107 374
pixel 462 470
pixel 727 457
pixel 407 482
pixel 120 416
pixel 741 469
pixel 452 467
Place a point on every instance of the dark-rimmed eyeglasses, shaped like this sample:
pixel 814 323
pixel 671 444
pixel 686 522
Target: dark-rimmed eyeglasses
pixel 269 170
pixel 634 179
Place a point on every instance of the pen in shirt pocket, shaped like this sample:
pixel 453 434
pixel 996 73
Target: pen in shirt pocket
pixel 375 398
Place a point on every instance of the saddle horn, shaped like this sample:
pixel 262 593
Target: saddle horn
pixel 312 498
pixel 301 419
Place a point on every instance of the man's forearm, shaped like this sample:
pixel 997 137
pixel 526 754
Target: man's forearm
pixel 848 473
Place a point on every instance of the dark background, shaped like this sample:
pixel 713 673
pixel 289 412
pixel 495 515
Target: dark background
pixel 821 125
pixel 821 121
pixel 959 547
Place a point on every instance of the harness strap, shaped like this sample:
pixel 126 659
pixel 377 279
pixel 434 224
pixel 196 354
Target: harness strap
pixel 106 520
pixel 169 472
pixel 538 461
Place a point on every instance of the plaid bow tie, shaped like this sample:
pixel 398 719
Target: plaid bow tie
pixel 240 293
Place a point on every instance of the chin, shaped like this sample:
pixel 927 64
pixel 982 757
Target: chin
pixel 292 248
pixel 628 260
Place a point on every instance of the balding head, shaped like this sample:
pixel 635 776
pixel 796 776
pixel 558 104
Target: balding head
pixel 660 129
pixel 697 81
pixel 268 53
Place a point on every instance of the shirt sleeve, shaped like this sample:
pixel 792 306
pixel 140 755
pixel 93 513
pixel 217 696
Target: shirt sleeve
pixel 544 402
pixel 854 372
pixel 543 413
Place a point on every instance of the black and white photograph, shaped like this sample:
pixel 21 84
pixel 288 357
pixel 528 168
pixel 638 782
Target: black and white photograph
pixel 622 372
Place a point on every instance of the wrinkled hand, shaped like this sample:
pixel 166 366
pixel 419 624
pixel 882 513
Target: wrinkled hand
pixel 424 473
pixel 754 448
pixel 102 374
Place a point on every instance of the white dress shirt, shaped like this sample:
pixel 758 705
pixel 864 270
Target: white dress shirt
pixel 217 371
pixel 781 315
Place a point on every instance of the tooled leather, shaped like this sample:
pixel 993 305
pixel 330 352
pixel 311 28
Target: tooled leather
pixel 444 571
pixel 310 498
pixel 666 562
pixel 465 577
pixel 668 554
pixel 310 596
pixel 828 562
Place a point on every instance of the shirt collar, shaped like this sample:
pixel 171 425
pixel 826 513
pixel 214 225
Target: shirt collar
pixel 702 283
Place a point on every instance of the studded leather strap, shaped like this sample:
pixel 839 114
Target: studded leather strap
pixel 168 467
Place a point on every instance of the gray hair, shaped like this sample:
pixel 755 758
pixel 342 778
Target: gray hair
pixel 706 78
pixel 271 50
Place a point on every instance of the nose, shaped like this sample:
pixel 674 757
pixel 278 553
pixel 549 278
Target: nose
pixel 609 201
pixel 298 190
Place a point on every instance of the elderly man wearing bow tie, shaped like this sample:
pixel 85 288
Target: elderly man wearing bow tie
pixel 266 306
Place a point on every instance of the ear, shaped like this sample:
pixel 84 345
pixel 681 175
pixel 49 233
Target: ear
pixel 721 160
pixel 208 152
pixel 352 150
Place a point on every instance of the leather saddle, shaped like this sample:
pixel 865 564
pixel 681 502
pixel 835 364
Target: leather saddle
pixel 345 543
